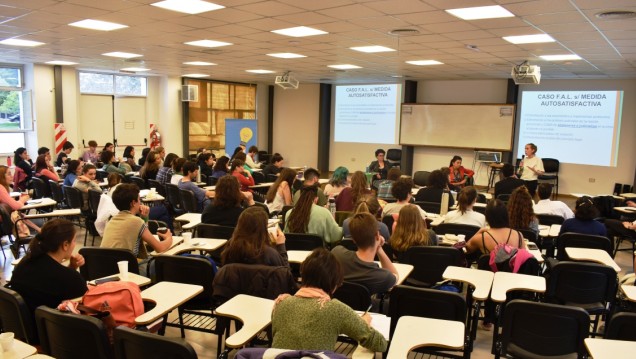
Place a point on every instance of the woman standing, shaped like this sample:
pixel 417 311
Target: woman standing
pixel 530 168
pixel 458 174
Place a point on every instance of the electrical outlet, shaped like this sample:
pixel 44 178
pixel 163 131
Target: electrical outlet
pixel 592 180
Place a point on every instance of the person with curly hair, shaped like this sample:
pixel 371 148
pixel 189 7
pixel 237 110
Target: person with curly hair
pixel 437 185
pixel 402 192
pixel 520 210
pixel 350 195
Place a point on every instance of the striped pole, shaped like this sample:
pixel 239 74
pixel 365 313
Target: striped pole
pixel 60 137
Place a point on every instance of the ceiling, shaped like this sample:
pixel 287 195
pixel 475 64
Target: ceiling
pixel 608 47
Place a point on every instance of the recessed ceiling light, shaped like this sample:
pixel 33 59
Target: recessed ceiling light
pixel 371 49
pixel 199 63
pixel 287 55
pixel 195 75
pixel 300 31
pixel 260 71
pixel 208 43
pixel 135 69
pixel 561 57
pixel 529 39
pixel 480 12
pixel 98 25
pixel 59 62
pixel 20 42
pixel 188 6
pixel 397 76
pixel 123 55
pixel 344 67
pixel 424 62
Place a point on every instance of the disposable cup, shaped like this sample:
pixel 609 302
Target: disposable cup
pixel 461 238
pixel 123 269
pixel 187 237
pixel 6 340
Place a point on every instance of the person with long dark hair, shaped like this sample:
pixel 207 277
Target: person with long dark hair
pixel 151 167
pixel 459 176
pixel 42 170
pixel 129 159
pixel 251 243
pixel 465 214
pixel 164 174
pixel 279 194
pixel 227 205
pixel 322 317
pixel 308 217
pixel 584 221
pixel 437 184
pixel 41 278
pixel 107 159
pixel 21 159
pixel 221 167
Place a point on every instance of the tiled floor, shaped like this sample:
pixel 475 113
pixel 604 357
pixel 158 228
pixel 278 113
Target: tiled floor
pixel 205 344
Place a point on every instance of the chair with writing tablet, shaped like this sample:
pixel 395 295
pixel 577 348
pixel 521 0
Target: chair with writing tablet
pixel 131 344
pixel 551 173
pixel 429 263
pixel 161 189
pixel 420 178
pixel 189 201
pixel 102 262
pixel 41 188
pixel 57 194
pixel 579 240
pixel 16 317
pixel 456 228
pixel 622 327
pixel 429 207
pixel 173 195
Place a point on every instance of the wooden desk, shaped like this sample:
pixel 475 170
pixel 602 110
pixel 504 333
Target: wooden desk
pixel 481 280
pixel 255 313
pixel 505 282
pixel 38 203
pixel 132 277
pixel 549 231
pixel 403 271
pixel 627 210
pixel 167 296
pixel 192 219
pixel 628 195
pixel 610 349
pixel 196 244
pixel 297 256
pixel 209 188
pixel 262 185
pixel 592 255
pixel 20 350
pixel 414 332
pixel 144 196
pixel 629 291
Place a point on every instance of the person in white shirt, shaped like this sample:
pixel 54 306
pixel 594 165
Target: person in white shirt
pixel 401 190
pixel 250 159
pixel 546 206
pixel 530 168
pixel 466 199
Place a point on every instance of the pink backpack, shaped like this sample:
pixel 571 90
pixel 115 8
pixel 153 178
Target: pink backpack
pixel 122 299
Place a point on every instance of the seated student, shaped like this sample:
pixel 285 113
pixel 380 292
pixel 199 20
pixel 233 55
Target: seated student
pixel 437 185
pixel 275 166
pixel 339 181
pixel 21 159
pixel 466 199
pixel 311 320
pixel 617 228
pixel 42 170
pixel 128 231
pixel 107 159
pixel 109 147
pixel 584 221
pixel 241 156
pixel 308 217
pixel 410 231
pixel 161 152
pixel 367 204
pixel 177 169
pixel 546 206
pixel 41 277
pixel 402 192
pixel 221 168
pixel 509 181
pixel 312 176
pixel 190 172
pixel 129 160
pixel 384 186
pixel 237 150
pixel 351 195
pixel 73 171
pixel 498 232
pixel 237 169
pixel 164 174
pixel 251 243
pixel 520 212
pixel 47 156
pixel 144 156
pixel 151 167
pixel 91 154
pixel 6 179
pixel 63 158
pixel 250 159
pixel 359 266
pixel 459 175
pixel 206 162
pixel 279 194
pixel 88 172
pixel 226 207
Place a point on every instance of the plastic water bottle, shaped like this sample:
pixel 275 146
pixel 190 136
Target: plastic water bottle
pixel 199 175
pixel 8 161
pixel 332 207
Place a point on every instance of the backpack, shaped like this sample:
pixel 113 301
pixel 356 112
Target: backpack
pixel 502 257
pixel 122 299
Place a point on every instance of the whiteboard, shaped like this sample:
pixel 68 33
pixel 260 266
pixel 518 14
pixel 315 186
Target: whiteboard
pixel 478 126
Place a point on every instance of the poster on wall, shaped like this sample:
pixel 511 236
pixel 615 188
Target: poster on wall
pixel 240 131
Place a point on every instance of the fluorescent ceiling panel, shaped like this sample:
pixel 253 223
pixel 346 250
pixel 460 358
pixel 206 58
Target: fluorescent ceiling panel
pixel 188 6
pixel 98 25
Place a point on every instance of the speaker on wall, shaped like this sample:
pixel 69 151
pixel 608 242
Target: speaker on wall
pixel 189 93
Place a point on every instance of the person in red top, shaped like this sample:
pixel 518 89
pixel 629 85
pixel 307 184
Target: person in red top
pixel 458 174
pixel 244 177
pixel 42 170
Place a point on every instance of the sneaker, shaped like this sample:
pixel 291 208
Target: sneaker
pixel 486 326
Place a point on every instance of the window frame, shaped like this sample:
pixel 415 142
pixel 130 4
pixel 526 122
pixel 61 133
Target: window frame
pixel 21 90
pixel 114 90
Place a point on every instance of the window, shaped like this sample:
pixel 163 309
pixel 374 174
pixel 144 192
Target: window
pixel 218 101
pixel 15 103
pixel 108 84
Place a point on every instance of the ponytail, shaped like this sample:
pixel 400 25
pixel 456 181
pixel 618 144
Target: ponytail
pixel 465 198
pixel 52 236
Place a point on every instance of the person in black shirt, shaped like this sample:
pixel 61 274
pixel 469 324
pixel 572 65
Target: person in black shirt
pixel 62 157
pixel 226 207
pixel 509 182
pixel 275 166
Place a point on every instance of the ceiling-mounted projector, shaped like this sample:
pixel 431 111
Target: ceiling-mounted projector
pixel 286 81
pixel 526 74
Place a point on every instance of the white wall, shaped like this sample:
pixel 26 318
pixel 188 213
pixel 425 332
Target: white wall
pixel 163 108
pixel 458 91
pixel 296 125
pixel 43 108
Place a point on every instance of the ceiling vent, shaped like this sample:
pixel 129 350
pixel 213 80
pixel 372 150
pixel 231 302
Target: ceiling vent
pixel 404 32
pixel 616 15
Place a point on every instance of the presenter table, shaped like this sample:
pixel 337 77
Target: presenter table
pixel 414 332
pixel 610 349
pixel 592 255
pixel 167 296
